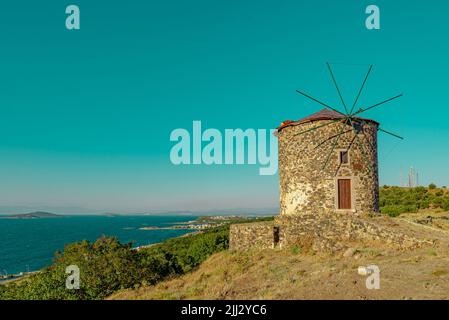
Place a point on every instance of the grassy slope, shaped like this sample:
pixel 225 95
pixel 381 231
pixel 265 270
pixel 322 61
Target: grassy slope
pixel 269 274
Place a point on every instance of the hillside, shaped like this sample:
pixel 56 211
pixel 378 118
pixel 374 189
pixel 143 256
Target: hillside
pixel 32 215
pixel 294 274
pixel 396 200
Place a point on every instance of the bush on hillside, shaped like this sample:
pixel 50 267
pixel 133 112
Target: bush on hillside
pixel 394 200
pixel 106 266
pixel 446 205
pixel 396 210
pixel 189 252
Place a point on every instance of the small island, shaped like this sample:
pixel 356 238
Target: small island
pixel 31 215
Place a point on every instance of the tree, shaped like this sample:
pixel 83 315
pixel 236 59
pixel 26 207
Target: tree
pixel 105 266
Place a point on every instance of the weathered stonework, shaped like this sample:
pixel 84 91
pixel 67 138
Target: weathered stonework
pixel 325 233
pixel 308 188
pixel 330 232
pixel 252 235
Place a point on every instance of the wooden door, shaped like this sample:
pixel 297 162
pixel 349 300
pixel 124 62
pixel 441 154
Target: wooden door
pixel 344 193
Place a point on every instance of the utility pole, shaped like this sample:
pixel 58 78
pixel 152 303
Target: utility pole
pixel 412 178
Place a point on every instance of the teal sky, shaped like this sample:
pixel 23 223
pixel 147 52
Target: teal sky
pixel 86 115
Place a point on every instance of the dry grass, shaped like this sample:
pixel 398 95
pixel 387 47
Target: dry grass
pixel 436 218
pixel 298 274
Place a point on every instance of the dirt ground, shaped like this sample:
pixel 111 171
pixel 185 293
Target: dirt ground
pixel 421 273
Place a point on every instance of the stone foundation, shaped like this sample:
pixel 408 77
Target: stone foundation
pixel 252 235
pixel 322 233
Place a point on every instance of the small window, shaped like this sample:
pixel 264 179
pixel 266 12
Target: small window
pixel 344 159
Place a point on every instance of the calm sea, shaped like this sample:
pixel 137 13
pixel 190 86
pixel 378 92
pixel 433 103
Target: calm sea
pixel 30 244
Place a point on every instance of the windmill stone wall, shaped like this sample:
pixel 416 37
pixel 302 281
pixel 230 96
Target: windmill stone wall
pixel 308 188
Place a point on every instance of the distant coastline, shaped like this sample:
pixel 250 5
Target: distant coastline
pixel 143 231
pixel 31 215
pixel 201 223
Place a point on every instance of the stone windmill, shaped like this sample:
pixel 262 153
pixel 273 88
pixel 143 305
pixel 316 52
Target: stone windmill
pixel 328 172
pixel 328 160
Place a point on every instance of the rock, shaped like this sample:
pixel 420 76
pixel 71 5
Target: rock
pixel 363 271
pixel 349 252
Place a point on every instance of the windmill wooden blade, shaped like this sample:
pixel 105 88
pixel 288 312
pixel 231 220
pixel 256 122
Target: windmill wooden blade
pixel 320 126
pixel 380 129
pixel 336 86
pixel 334 145
pixel 331 137
pixel 364 155
pixel 361 88
pixel 377 104
pixel 318 101
pixel 349 117
pixel 391 133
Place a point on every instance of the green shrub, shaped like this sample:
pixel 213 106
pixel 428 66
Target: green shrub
pixel 437 202
pixel 420 189
pixel 423 204
pixel 396 210
pixel 296 250
pixel 189 252
pixel 432 186
pixel 106 266
pixel 396 200
pixel 446 205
